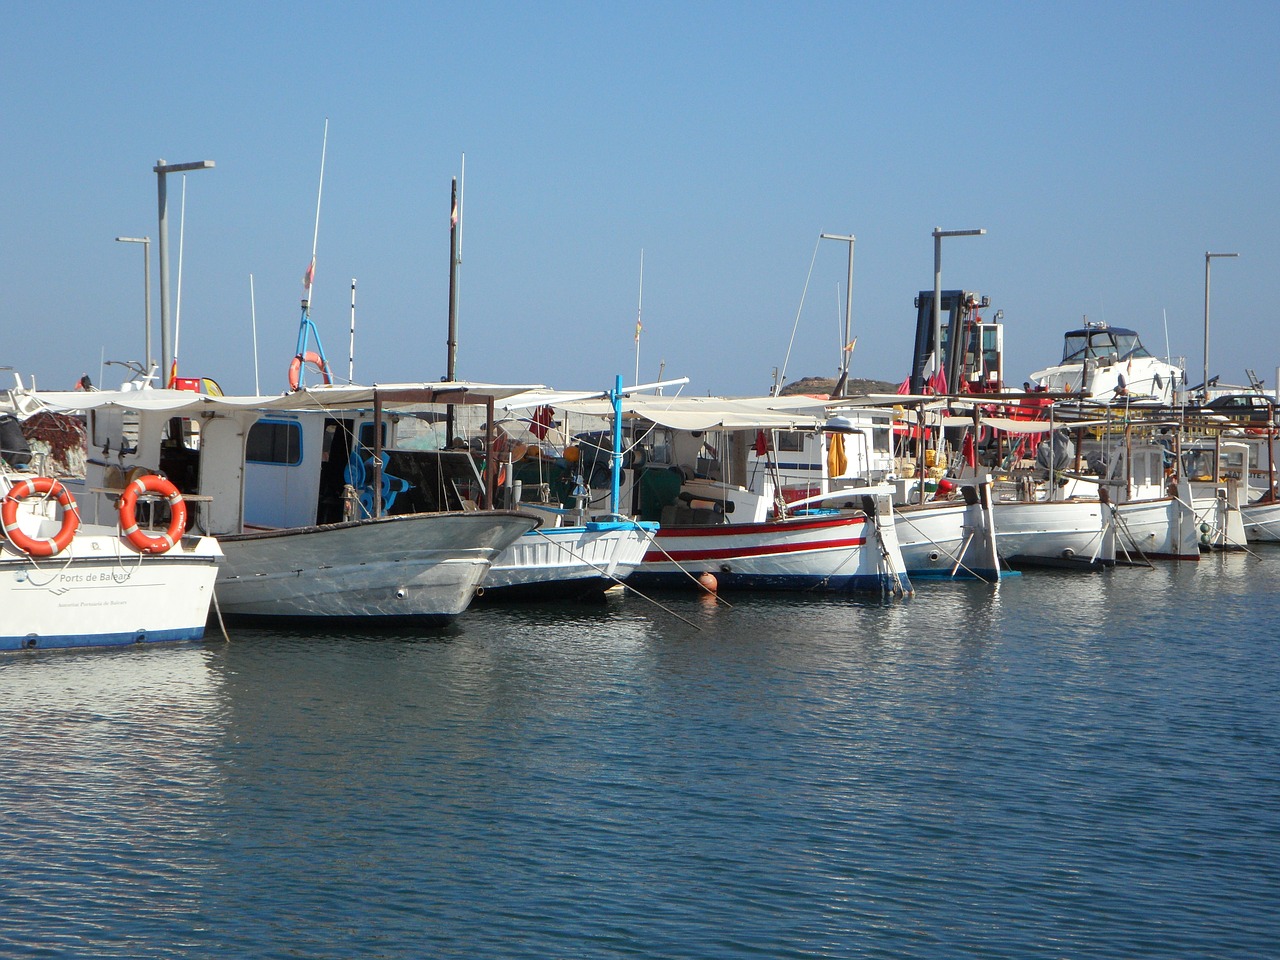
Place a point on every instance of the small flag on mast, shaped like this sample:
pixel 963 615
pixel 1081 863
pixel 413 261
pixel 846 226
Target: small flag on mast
pixel 309 275
pixel 639 327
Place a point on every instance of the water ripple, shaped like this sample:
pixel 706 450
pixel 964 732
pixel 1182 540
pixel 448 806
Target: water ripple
pixel 1063 766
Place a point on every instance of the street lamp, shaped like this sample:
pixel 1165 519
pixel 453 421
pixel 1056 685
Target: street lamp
pixel 146 291
pixel 938 234
pixel 843 384
pixel 1208 257
pixel 161 169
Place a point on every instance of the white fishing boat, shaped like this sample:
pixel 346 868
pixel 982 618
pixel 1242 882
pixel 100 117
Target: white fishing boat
pixel 1069 534
pixel 950 539
pixel 307 498
pixel 1152 509
pixel 1110 365
pixel 1217 470
pixel 577 552
pixel 700 468
pixel 570 562
pixel 67 583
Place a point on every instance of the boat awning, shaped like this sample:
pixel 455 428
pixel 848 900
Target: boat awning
pixel 714 413
pixel 393 396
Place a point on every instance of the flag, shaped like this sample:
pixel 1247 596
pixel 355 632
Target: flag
pixel 309 275
pixel 541 423
pixel 938 382
pixel 639 327
pixel 173 373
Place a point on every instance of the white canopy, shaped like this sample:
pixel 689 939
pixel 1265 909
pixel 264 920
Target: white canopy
pixel 714 413
pixel 394 396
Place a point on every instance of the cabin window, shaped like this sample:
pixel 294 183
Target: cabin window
pixel 366 435
pixel 275 441
pixel 789 441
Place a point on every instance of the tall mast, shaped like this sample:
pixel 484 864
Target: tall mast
pixel 451 367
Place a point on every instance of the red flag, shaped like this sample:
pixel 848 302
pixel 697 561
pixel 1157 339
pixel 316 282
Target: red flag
pixel 938 382
pixel 541 422
pixel 762 444
pixel 309 275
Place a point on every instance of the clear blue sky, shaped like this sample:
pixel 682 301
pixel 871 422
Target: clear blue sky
pixel 1103 146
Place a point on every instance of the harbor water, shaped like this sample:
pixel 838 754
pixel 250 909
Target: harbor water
pixel 1064 766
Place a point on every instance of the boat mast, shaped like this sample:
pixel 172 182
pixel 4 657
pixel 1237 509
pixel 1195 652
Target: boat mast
pixel 455 261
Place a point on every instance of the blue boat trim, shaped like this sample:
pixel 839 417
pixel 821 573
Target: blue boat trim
pixel 82 641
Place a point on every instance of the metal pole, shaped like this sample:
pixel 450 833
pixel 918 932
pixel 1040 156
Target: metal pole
pixel 146 283
pixel 163 251
pixel 451 364
pixel 1207 258
pixel 161 169
pixel 937 299
pixel 938 234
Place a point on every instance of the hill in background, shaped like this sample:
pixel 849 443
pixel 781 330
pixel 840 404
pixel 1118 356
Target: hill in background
pixel 824 385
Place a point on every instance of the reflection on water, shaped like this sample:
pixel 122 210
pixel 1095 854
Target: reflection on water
pixel 1063 765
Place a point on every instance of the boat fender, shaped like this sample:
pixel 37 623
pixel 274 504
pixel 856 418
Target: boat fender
pixel 128 505
pixel 313 358
pixel 40 546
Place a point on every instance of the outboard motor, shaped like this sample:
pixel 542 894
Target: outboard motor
pixel 1056 453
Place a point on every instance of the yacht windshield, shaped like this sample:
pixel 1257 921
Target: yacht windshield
pixel 1074 348
pixel 1102 345
pixel 1130 346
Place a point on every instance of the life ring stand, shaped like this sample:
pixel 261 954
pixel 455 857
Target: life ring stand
pixel 145 542
pixel 40 546
pixel 313 358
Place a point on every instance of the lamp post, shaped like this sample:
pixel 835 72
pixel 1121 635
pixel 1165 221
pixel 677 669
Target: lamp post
pixel 1208 258
pixel 843 384
pixel 938 234
pixel 146 292
pixel 161 170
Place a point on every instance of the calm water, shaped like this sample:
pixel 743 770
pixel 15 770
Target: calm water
pixel 1071 766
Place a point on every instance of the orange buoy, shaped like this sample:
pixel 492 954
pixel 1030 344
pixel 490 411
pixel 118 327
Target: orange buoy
pixel 40 546
pixel 708 582
pixel 150 483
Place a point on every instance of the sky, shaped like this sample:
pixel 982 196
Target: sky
pixel 1104 147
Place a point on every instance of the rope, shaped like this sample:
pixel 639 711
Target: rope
pixel 615 579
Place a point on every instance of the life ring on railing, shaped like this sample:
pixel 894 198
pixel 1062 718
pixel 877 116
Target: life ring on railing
pixel 145 542
pixel 313 358
pixel 40 546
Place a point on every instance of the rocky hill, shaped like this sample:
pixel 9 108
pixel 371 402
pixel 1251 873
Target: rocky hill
pixel 810 386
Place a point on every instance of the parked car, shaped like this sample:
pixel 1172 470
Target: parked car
pixel 1247 407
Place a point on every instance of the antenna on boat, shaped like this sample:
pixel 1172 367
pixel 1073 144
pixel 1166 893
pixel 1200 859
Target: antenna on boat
pixel 306 328
pixel 253 319
pixel 315 236
pixel 351 357
pixel 782 374
pixel 1165 312
pixel 639 312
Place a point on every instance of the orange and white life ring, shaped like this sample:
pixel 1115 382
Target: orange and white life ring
pixel 40 546
pixel 313 358
pixel 145 542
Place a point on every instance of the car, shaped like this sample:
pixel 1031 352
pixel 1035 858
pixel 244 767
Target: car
pixel 1246 407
